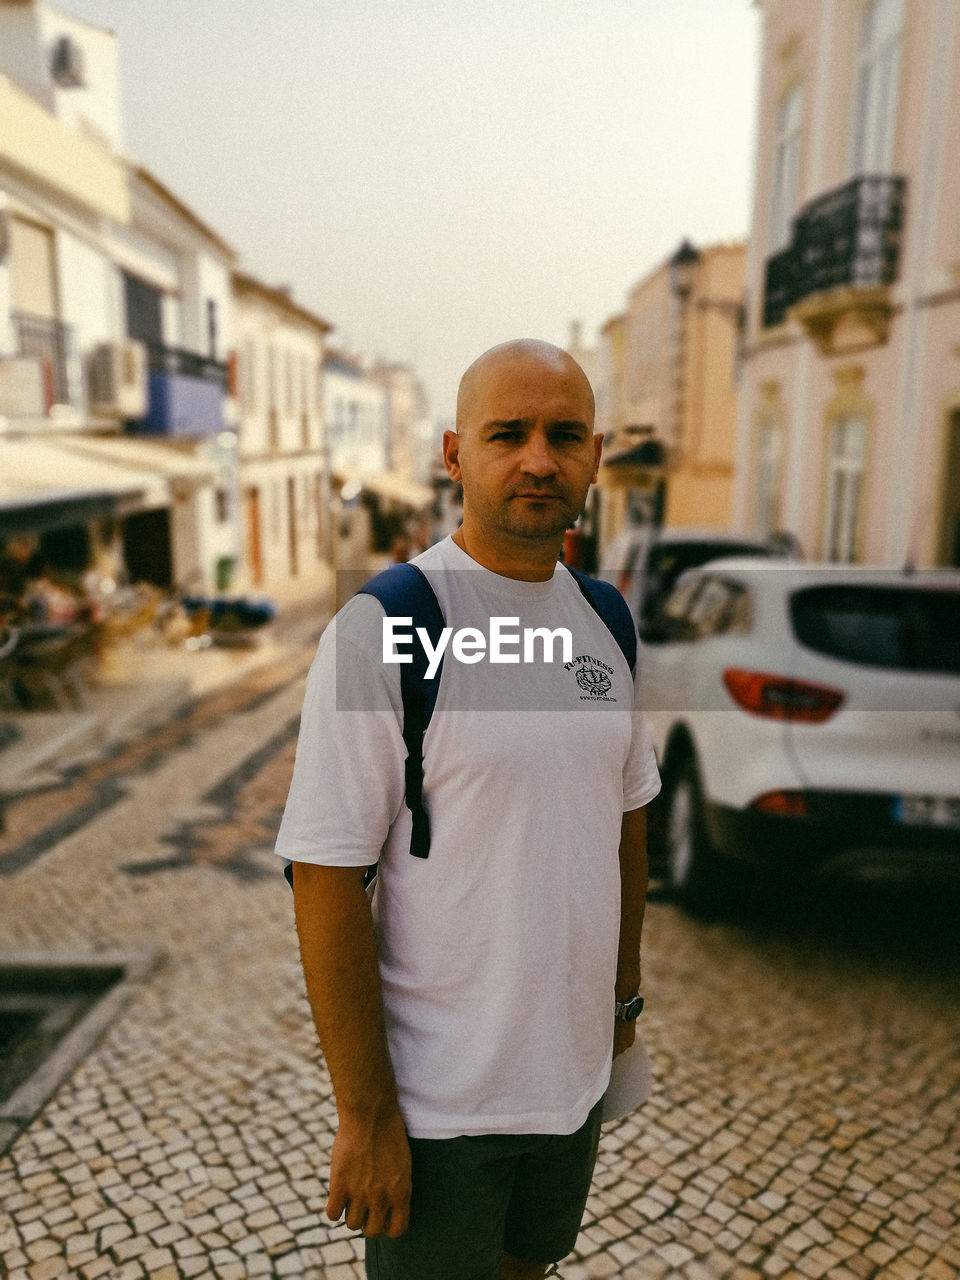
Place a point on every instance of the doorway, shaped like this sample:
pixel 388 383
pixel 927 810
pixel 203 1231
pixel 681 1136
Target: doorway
pixel 148 549
pixel 948 552
pixel 254 541
pixel 292 538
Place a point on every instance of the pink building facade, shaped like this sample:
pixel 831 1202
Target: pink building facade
pixel 849 423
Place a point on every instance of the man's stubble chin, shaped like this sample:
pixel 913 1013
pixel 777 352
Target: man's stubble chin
pixel 533 525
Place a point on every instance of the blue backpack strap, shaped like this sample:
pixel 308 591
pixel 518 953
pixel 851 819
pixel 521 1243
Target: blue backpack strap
pixel 606 600
pixel 405 592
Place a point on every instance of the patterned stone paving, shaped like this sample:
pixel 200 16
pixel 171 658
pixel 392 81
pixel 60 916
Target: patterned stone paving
pixel 38 819
pixel 804 1121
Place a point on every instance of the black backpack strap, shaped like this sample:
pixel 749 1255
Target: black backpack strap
pixel 609 604
pixel 405 592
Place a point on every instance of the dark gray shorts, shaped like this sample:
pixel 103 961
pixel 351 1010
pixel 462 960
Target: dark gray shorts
pixel 475 1199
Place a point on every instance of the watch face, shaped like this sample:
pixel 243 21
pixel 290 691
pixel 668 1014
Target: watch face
pixel 630 1009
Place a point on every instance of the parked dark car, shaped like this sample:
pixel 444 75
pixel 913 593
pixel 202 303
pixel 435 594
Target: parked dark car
pixel 643 563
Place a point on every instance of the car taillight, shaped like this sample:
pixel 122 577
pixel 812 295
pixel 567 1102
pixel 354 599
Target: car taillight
pixel 779 698
pixel 783 804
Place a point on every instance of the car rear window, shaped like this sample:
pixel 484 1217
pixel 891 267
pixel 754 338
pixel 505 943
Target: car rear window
pixel 900 628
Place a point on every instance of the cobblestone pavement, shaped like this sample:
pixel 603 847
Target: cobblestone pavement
pixel 803 1122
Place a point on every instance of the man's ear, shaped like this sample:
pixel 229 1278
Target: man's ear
pixel 451 455
pixel 597 448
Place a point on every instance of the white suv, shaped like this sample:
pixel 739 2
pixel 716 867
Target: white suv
pixel 805 718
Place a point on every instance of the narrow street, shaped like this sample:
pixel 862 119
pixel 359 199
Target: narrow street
pixel 807 1068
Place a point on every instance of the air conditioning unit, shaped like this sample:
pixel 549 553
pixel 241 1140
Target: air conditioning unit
pixel 67 63
pixel 117 380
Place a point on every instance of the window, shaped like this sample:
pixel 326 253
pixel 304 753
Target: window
pixel 33 269
pixel 272 377
pixel 766 511
pixel 273 423
pixel 848 438
pixel 304 384
pixel 304 402
pixel 248 377
pixel 289 383
pixel 144 310
pixel 875 100
pixel 898 628
pixel 212 330
pixel 786 168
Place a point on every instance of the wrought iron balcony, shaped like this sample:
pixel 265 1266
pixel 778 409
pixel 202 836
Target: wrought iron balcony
pixel 186 394
pixel 50 342
pixel 187 364
pixel 849 237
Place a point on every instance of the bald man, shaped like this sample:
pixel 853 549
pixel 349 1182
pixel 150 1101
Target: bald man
pixel 469 1016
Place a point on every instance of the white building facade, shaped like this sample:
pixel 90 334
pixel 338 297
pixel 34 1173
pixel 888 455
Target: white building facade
pixel 115 319
pixel 356 412
pixel 849 429
pixel 282 477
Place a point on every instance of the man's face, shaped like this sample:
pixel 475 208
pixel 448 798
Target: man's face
pixel 525 451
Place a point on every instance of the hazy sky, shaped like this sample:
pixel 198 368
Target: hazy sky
pixel 434 177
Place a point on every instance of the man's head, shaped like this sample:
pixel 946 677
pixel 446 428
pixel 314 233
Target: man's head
pixel 539 359
pixel 524 449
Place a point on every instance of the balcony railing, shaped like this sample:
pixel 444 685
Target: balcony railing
pixel 50 342
pixel 187 364
pixel 186 394
pixel 850 236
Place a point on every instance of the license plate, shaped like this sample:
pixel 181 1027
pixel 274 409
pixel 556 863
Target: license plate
pixel 927 811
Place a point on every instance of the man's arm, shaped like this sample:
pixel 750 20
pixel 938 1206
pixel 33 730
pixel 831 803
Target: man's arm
pixel 633 897
pixel 370 1162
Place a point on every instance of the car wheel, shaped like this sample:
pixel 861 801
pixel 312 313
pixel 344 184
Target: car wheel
pixel 692 869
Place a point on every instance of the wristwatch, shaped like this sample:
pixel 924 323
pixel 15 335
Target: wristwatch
pixel 629 1010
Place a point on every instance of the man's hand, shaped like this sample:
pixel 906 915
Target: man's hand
pixel 624 1034
pixel 370 1175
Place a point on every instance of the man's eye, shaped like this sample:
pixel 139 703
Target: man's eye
pixel 508 433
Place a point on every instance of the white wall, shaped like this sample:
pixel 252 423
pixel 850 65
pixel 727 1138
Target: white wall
pixel 93 106
pixel 87 292
pixel 268 465
pixel 21 54
pixel 171 251
pixel 6 287
pixel 28 36
pixel 356 422
pixel 213 282
pixel 142 255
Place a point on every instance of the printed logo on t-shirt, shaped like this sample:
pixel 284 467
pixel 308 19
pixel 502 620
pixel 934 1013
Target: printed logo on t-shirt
pixel 594 677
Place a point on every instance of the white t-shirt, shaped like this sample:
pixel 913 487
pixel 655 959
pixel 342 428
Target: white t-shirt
pixel 498 951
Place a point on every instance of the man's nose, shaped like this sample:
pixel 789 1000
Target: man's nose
pixel 538 457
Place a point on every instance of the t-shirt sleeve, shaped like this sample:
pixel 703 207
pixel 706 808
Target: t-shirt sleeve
pixel 641 778
pixel 350 736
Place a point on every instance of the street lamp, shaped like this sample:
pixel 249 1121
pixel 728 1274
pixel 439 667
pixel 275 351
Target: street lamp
pixel 683 269
pixel 682 273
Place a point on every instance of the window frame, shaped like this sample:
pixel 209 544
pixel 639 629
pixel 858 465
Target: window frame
pixel 876 89
pixel 785 175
